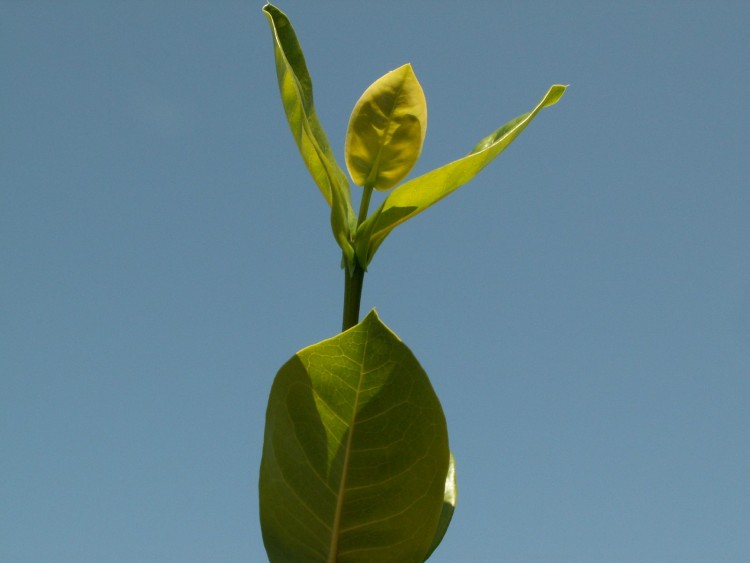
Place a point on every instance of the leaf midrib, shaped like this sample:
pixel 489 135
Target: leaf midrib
pixel 333 553
pixel 375 170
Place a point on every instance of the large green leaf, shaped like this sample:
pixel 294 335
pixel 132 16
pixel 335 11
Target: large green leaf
pixel 418 194
pixel 296 91
pixel 355 454
pixel 386 130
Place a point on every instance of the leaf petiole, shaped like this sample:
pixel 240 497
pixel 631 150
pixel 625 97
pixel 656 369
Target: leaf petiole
pixel 364 204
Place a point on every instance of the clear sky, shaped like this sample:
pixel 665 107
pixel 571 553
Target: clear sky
pixel 582 307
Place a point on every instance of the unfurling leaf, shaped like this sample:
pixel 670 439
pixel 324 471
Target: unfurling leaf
pixel 386 130
pixel 355 454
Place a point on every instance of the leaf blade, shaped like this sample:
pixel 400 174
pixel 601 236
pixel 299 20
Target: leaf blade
pixel 386 130
pixel 355 453
pixel 295 87
pixel 416 195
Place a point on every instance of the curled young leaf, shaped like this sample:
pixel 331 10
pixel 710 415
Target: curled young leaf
pixel 386 130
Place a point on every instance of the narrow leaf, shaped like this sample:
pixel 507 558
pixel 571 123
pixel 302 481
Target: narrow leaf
pixel 418 194
pixel 355 454
pixel 296 91
pixel 386 130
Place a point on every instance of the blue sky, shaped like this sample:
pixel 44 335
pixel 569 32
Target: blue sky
pixel 582 307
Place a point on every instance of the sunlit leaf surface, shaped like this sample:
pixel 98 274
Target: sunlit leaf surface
pixel 386 130
pixel 416 195
pixel 449 505
pixel 296 91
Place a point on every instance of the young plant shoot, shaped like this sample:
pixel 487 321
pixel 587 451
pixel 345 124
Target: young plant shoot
pixel 356 465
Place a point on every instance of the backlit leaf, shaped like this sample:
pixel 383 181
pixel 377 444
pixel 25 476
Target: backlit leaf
pixel 355 454
pixel 386 130
pixel 296 91
pixel 416 195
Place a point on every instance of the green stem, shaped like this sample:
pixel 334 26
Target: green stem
pixel 352 295
pixel 354 278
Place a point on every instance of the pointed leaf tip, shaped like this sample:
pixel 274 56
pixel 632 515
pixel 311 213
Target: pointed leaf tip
pixel 554 94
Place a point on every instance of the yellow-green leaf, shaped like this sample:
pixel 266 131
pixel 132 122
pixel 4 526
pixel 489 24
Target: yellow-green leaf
pixel 418 194
pixel 386 130
pixel 296 91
